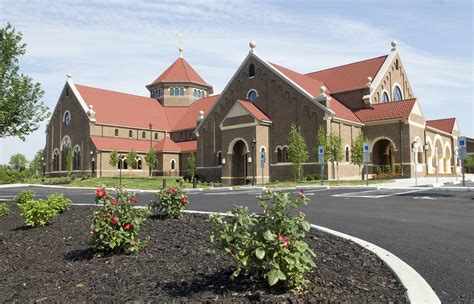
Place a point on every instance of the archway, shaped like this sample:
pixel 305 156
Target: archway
pixel 438 153
pixel 383 154
pixel 239 163
pixel 429 156
pixel 447 159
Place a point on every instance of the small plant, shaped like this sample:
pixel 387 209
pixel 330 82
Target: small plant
pixel 388 169
pixel 269 245
pixel 58 202
pixel 115 228
pixel 36 213
pixel 24 196
pixel 169 203
pixel 378 170
pixel 398 169
pixel 4 210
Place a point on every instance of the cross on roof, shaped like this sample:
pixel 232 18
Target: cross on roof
pixel 181 49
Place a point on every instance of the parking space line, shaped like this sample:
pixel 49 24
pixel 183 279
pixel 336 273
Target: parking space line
pixel 376 195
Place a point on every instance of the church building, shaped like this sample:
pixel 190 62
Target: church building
pixel 231 133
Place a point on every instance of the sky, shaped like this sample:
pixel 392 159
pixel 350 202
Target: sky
pixel 124 45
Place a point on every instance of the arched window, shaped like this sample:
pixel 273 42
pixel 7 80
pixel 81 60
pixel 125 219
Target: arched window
pixel 56 160
pixel 279 155
pixel 130 133
pixel 203 94
pixel 176 91
pixel 347 154
pixel 181 91
pixel 251 70
pixel 67 118
pixel 219 158
pixel 172 91
pixel 385 97
pixel 143 134
pixel 65 153
pixel 252 96
pixel 139 163
pixel 76 159
pixel 116 132
pixel 156 135
pixel 397 93
pixel 173 164
pixel 125 165
pixel 199 93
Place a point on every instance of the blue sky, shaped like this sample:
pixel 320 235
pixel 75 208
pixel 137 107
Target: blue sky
pixel 124 45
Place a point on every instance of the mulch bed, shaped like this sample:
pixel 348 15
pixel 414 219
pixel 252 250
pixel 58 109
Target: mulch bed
pixel 55 263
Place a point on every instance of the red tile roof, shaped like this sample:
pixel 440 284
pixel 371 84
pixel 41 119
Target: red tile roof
pixel 120 144
pixel 309 84
pixel 123 109
pixel 342 111
pixel 350 76
pixel 188 146
pixel 183 118
pixel 446 124
pixel 180 71
pixel 167 145
pixel 253 110
pixel 384 111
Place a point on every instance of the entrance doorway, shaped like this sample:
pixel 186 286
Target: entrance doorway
pixel 239 163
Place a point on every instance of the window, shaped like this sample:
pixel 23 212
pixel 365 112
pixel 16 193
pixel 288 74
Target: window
pixel 279 155
pixel 116 132
pixel 397 93
pixel 285 154
pixel 67 92
pixel 181 91
pixel 251 70
pixel 56 161
pixel 172 91
pixel 76 158
pixel 219 158
pixel 143 134
pixel 397 64
pixel 181 135
pixel 139 163
pixel 67 118
pixel 176 91
pixel 194 93
pixel 156 135
pixel 252 96
pixel 385 97
pixel 347 154
pixel 65 152
pixel 130 133
pixel 173 164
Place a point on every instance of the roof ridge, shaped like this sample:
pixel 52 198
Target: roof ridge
pixel 449 118
pixel 95 88
pixel 184 62
pixel 346 64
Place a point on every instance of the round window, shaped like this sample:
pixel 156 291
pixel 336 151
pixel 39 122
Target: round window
pixel 252 97
pixel 67 118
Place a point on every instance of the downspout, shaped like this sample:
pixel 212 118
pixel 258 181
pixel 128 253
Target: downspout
pixel 401 147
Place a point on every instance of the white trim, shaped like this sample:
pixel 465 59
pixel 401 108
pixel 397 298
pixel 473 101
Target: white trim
pixel 74 149
pixel 380 138
pixel 76 93
pixel 437 131
pixel 264 149
pixel 381 73
pixel 62 141
pixel 393 91
pixel 64 118
pixel 171 161
pixel 233 142
pixel 54 150
pixel 388 94
pixel 354 123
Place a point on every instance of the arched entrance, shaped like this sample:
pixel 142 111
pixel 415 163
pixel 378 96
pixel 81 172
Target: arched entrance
pixel 447 159
pixel 439 161
pixel 239 163
pixel 383 154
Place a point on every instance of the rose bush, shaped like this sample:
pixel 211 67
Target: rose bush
pixel 116 227
pixel 269 245
pixel 169 203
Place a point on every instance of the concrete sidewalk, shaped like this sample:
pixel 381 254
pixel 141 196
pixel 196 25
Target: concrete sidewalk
pixel 426 181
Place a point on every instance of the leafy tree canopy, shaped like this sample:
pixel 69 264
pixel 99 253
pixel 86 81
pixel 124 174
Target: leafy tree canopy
pixel 21 110
pixel 18 162
pixel 297 151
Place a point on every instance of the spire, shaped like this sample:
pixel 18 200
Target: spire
pixel 180 49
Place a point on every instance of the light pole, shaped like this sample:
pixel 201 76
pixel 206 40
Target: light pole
pixel 92 162
pixel 44 169
pixel 149 167
pixel 121 157
pixel 254 142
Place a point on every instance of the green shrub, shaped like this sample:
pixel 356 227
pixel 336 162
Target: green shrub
pixel 24 196
pixel 169 203
pixel 116 227
pixel 378 170
pixel 388 169
pixel 309 178
pixel 398 169
pixel 4 210
pixel 269 245
pixel 36 213
pixel 58 202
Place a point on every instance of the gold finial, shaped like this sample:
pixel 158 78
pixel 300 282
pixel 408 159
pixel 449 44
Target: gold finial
pixel 181 49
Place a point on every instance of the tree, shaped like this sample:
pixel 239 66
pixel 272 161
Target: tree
pixel 297 151
pixel 357 153
pixel 36 165
pixel 334 150
pixel 469 163
pixel 68 161
pixel 113 159
pixel 132 159
pixel 18 162
pixel 321 140
pixel 21 110
pixel 150 159
pixel 191 166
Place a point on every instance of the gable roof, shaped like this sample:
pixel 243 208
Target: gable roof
pixel 310 85
pixel 445 124
pixel 253 110
pixel 166 145
pixel 342 111
pixel 180 71
pixel 182 118
pixel 115 108
pixel 384 111
pixel 120 144
pixel 350 76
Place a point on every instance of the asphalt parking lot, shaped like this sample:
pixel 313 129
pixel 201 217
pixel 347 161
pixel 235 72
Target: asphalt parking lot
pixel 430 229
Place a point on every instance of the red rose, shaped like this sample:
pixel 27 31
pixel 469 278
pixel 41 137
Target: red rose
pixel 113 202
pixel 286 239
pixel 134 200
pixel 100 192
pixel 185 200
pixel 127 226
pixel 171 191
pixel 302 192
pixel 280 238
pixel 113 221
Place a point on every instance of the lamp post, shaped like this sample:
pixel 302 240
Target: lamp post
pixel 254 142
pixel 149 167
pixel 121 157
pixel 44 169
pixel 92 162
